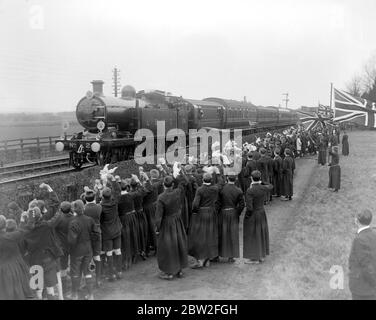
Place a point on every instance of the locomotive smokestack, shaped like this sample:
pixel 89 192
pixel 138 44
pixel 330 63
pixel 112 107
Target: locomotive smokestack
pixel 98 87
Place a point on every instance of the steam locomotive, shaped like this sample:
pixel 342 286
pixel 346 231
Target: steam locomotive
pixel 110 123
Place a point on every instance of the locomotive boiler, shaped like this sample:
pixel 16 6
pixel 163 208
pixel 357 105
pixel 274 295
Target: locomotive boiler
pixel 110 123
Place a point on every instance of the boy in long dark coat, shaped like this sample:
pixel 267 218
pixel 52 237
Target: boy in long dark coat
pixel 14 273
pixel 345 144
pixel 249 168
pixel 43 249
pixel 203 231
pixel 231 204
pixel 142 221
pixel 94 211
pixel 149 205
pixel 191 189
pixel 322 145
pixel 127 213
pixel 61 230
pixel 83 235
pixel 255 229
pixel 334 170
pixel 263 166
pixel 277 173
pixel 111 230
pixel 172 251
pixel 288 167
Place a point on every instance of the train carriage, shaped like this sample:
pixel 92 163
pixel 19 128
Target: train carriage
pixel 110 123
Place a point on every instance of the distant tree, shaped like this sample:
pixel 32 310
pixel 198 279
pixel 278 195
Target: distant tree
pixel 369 73
pixel 371 93
pixel 364 84
pixel 355 86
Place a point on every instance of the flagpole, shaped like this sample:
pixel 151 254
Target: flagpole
pixel 331 106
pixel 331 95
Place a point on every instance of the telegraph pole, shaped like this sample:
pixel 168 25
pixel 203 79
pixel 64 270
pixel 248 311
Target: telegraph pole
pixel 286 99
pixel 116 81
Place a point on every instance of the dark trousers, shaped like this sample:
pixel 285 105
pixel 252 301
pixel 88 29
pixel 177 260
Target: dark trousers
pixel 80 265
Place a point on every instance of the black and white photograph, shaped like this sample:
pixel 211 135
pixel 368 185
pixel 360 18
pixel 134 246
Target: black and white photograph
pixel 202 151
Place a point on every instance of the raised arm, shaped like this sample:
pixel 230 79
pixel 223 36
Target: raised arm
pixel 196 201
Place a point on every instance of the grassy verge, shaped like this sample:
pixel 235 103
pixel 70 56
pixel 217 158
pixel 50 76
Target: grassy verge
pixel 324 228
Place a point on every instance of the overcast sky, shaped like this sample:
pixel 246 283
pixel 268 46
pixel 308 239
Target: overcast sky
pixel 50 50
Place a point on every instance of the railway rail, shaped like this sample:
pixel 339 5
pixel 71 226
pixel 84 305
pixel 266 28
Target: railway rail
pixel 21 172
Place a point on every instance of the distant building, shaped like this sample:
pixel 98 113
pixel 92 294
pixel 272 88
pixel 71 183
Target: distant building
pixel 309 109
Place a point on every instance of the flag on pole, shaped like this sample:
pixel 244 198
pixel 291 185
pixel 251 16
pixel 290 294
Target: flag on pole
pixel 355 109
pixel 311 121
pixel 325 111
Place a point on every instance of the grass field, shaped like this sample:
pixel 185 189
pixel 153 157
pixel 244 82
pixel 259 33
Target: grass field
pixel 33 130
pixel 324 227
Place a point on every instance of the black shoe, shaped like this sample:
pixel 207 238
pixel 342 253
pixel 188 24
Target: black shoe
pixel 216 259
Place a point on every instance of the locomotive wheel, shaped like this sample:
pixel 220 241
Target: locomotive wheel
pixel 77 161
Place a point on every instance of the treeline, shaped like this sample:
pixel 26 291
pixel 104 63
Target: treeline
pixel 363 84
pixel 37 117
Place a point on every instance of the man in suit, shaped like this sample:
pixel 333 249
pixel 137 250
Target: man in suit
pixel 362 261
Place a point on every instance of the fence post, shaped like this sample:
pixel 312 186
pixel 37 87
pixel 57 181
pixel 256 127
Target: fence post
pixel 38 147
pixel 6 150
pixel 22 149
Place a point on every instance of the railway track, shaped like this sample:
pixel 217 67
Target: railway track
pixel 20 172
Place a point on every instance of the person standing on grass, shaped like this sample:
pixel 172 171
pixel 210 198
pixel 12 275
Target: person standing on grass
pixel 288 167
pixel 334 170
pixel 255 225
pixel 362 260
pixel 277 173
pixel 172 253
pixel 322 150
pixel 345 144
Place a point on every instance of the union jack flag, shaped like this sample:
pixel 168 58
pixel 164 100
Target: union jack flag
pixel 325 111
pixel 311 121
pixel 349 108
